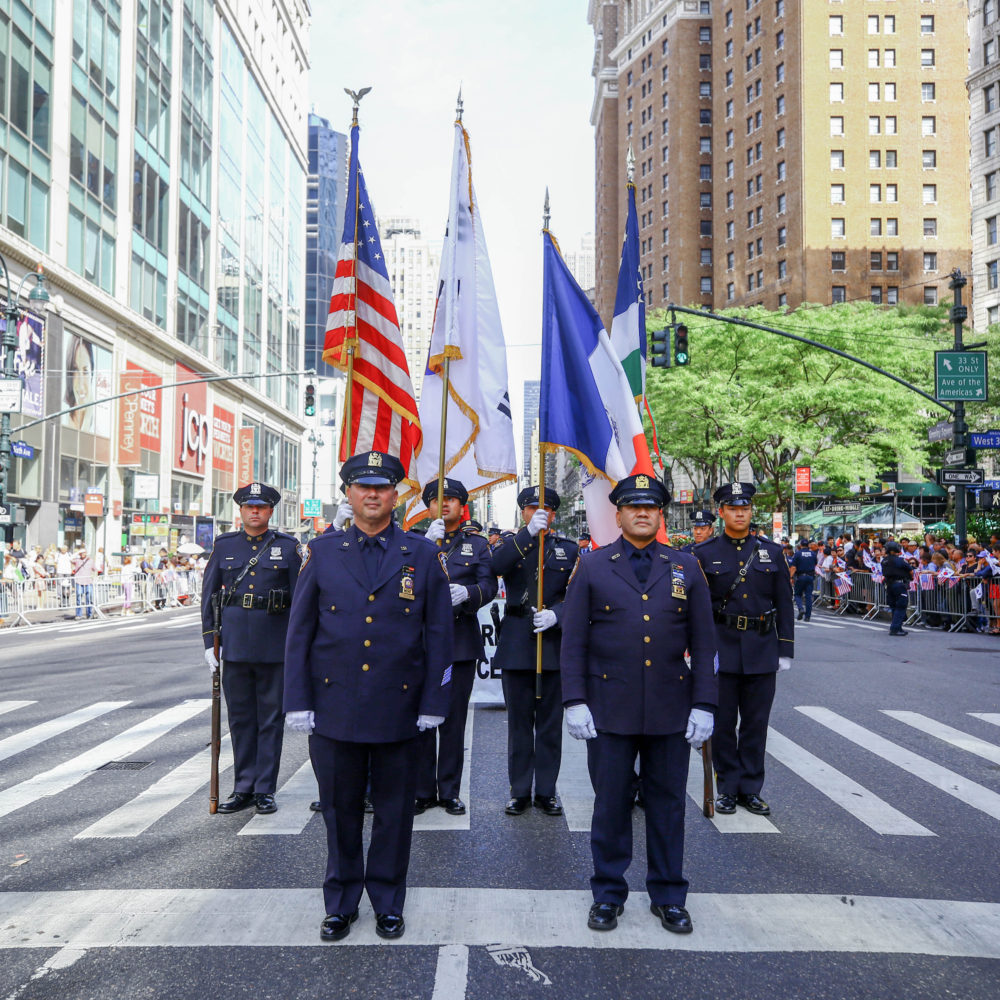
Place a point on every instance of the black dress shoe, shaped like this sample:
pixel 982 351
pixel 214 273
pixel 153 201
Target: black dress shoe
pixel 549 805
pixel 801 615
pixel 725 804
pixel 673 918
pixel 336 926
pixel 604 916
pixel 389 925
pixel 236 802
pixel 754 803
pixel 517 805
pixel 453 807
pixel 900 632
pixel 316 806
pixel 266 803
pixel 423 804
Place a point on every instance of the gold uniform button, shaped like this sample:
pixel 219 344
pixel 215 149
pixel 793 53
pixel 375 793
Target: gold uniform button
pixel 371 597
pixel 369 619
pixel 646 638
pixel 681 677
pixel 406 611
pixel 605 676
pixel 253 572
pixel 649 663
pixel 251 586
pixel 744 595
pixel 645 618
pixel 645 597
pixel 364 666
pixel 405 686
pixel 368 642
pixel 741 562
pixel 254 547
pixel 326 680
pixel 607 607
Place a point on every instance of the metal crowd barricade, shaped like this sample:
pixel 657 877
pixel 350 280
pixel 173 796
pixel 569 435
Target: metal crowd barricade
pixel 948 605
pixel 867 594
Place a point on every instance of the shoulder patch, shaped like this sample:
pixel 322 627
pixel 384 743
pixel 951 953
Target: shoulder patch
pixel 306 556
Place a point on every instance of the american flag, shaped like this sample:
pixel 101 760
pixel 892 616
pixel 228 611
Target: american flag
pixel 843 584
pixel 363 315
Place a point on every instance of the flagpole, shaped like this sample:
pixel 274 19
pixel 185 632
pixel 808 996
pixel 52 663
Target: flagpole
pixel 540 603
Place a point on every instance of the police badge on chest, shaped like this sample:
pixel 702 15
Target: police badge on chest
pixel 677 584
pixel 406 583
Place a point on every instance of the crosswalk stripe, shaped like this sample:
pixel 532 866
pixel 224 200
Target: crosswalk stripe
pixel 740 821
pixel 71 772
pixel 966 791
pixel 153 803
pixel 575 791
pixel 981 748
pixel 13 706
pixel 293 800
pixel 726 923
pixel 22 741
pixel 811 624
pixel 438 819
pixel 992 717
pixel 844 791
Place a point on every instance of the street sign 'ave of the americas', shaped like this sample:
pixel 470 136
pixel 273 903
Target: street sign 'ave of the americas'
pixel 960 376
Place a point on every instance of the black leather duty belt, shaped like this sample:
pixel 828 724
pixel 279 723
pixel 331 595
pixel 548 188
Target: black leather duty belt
pixel 274 603
pixel 747 623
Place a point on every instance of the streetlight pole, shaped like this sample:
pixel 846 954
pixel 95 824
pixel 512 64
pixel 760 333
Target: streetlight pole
pixel 316 440
pixel 958 315
pixel 11 315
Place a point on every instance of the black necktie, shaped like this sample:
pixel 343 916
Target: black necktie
pixel 371 553
pixel 641 564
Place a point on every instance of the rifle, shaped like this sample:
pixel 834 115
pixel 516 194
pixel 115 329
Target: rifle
pixel 218 599
pixel 708 802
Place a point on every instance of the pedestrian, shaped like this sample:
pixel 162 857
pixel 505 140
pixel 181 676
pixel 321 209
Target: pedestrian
pixel 128 584
pixel 472 585
pixel 897 573
pixel 250 579
pixel 368 669
pixel 534 725
pixel 803 570
pixel 633 611
pixel 702 528
pixel 83 578
pixel 752 606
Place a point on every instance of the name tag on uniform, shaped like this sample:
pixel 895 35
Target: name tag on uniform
pixel 406 584
pixel 677 584
pixel 467 549
pixel 230 558
pixel 276 552
pixel 763 555
pixel 560 553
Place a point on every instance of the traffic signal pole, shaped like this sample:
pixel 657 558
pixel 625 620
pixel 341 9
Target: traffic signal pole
pixel 958 315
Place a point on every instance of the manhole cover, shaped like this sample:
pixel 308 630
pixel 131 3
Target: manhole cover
pixel 971 649
pixel 125 765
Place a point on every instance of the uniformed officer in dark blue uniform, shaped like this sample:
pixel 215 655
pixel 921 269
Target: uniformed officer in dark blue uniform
pixel 583 542
pixel 897 573
pixel 632 610
pixel 702 528
pixel 252 573
pixel 752 606
pixel 472 527
pixel 803 566
pixel 534 727
pixel 368 668
pixel 472 584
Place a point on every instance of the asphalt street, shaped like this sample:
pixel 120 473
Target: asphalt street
pixel 874 877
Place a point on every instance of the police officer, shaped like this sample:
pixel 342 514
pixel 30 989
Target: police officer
pixel 368 669
pixel 897 573
pixel 752 606
pixel 803 570
pixel 251 574
pixel 493 536
pixel 583 542
pixel 472 527
pixel 702 528
pixel 534 726
pixel 473 584
pixel 632 610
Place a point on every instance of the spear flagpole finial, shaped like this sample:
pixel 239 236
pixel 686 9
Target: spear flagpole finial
pixel 545 212
pixel 630 165
pixel 356 95
pixel 459 105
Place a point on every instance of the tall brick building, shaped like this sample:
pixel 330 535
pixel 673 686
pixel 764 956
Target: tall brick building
pixel 785 152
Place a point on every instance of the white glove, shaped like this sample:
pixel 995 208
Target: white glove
pixel 211 659
pixel 580 722
pixel 436 530
pixel 458 594
pixel 429 721
pixel 539 520
pixel 543 619
pixel 700 726
pixel 301 722
pixel 343 515
pixel 784 663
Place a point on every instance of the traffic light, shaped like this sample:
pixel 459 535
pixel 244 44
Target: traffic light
pixel 660 349
pixel 310 400
pixel 681 354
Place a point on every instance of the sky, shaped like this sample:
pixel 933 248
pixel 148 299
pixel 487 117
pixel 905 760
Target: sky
pixel 525 73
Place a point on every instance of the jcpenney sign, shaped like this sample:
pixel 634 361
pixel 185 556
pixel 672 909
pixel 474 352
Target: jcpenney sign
pixel 193 429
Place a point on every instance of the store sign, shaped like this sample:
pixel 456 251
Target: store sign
pixel 193 428
pixel 150 407
pixel 145 486
pixel 93 504
pixel 245 456
pixel 129 418
pixel 223 443
pixel 149 525
pixel 29 355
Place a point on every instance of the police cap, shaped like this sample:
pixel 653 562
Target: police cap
pixel 372 468
pixel 584 536
pixel 257 495
pixel 893 547
pixel 640 490
pixel 528 497
pixel 472 527
pixel 702 518
pixel 452 488
pixel 803 543
pixel 734 494
pixel 494 529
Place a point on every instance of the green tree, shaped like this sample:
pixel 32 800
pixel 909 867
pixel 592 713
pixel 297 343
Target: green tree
pixel 779 403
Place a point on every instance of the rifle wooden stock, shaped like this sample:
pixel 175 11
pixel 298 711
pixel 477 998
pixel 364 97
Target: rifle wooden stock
pixel 708 802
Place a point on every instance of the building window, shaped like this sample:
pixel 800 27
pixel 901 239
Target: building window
pixel 930 295
pixel 991 231
pixel 836 159
pixel 782 269
pixel 989 98
pixel 876 295
pixel 782 300
pixel 926 24
pixel 779 73
pixel 838 293
pixel 780 104
pixel 782 235
pixel 892 260
pixel 782 204
pixel 890 159
pixel 930 194
pixel 875 260
pixel 704 90
pixel 990 142
pixel 836 59
pixel 838 260
pixel 874 192
pixel 892 227
pixel 705 284
pixel 781 171
pixel 705 36
pixel 705 227
pixel 705 256
pixel 926 57
pixel 836 125
pixel 704 61
pixel 992 315
pixel 873 23
pixel 729 49
pixel 730 230
pixel 836 194
pixel 781 138
pixel 837 92
pixel 704 173
pixel 705 144
pixel 875 227
pixel 890 91
pixel 991 185
pixel 837 229
pixel 874 159
pixel 890 124
pixel 929 159
pixel 930 261
pixel 705 116
pixel 927 92
pixel 928 125
pixel 889 58
pixel 836 24
pixel 705 199
pixel 874 125
pixel 891 192
pixel 873 91
pixel 892 295
pixel 730 260
pixel 889 24
pixel 730 200
pixel 873 58
pixel 730 291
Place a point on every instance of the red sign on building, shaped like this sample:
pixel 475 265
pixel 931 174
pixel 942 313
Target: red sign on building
pixel 803 479
pixel 192 427
pixel 224 443
pixel 150 406
pixel 245 457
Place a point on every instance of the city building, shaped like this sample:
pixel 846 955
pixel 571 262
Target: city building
pixel 785 152
pixel 532 391
pixel 581 263
pixel 154 165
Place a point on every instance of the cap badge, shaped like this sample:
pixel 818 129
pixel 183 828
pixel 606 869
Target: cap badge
pixel 737 489
pixel 255 489
pixel 375 459
pixel 642 482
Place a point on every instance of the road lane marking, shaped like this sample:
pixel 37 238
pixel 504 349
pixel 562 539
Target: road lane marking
pixel 437 818
pixel 740 821
pixel 451 977
pixel 153 803
pixel 22 741
pixel 811 624
pixel 556 918
pixel 575 790
pixel 69 773
pixel 13 706
pixel 844 791
pixel 991 717
pixel 940 777
pixel 293 800
pixel 971 744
